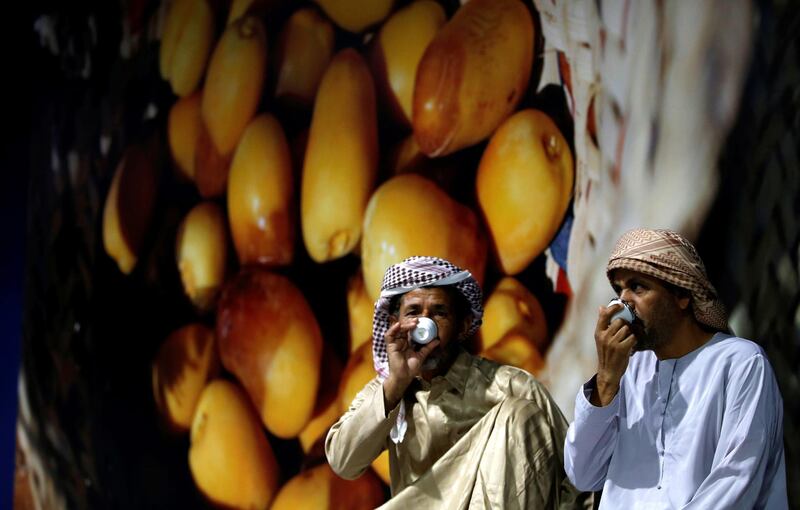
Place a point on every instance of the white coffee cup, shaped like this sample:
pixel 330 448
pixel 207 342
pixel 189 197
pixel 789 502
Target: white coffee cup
pixel 626 313
pixel 425 331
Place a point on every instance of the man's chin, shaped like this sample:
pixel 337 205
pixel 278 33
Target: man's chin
pixel 645 342
pixel 438 361
pixel 432 362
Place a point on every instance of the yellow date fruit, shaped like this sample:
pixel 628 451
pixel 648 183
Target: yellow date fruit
pixel 183 131
pixel 409 215
pixel 186 361
pixel 128 210
pixel 341 159
pixel 201 252
pixel 472 75
pixel 401 43
pixel 359 311
pixel 406 157
pixel 305 49
pixel 241 8
pixel 185 44
pixel 260 190
pixel 176 14
pixel 356 15
pixel 517 350
pixel 234 82
pixel 326 410
pixel 319 488
pixel 357 373
pixel 210 167
pixel 512 308
pixel 381 467
pixel 270 340
pixel 524 184
pixel 447 172
pixel 324 416
pixel 231 461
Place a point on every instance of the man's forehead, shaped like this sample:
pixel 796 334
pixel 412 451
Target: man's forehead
pixel 438 294
pixel 621 276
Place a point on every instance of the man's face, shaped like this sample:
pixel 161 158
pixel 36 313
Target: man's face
pixel 657 309
pixel 437 304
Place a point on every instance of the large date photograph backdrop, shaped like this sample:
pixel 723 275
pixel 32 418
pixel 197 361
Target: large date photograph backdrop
pixel 215 187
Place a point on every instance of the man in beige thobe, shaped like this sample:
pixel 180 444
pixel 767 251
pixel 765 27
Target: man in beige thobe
pixel 462 431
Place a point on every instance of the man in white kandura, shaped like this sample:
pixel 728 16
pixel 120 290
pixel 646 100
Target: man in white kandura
pixel 681 413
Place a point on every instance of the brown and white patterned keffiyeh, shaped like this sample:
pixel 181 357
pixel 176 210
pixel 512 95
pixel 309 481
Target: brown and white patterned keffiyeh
pixel 414 273
pixel 669 256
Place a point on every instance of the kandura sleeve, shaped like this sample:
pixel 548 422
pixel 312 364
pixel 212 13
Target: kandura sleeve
pixel 591 439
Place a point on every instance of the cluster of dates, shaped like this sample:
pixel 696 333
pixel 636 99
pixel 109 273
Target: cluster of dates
pixel 448 84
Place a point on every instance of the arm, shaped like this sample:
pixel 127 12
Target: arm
pixel 591 439
pixel 360 435
pixel 749 454
pixel 592 436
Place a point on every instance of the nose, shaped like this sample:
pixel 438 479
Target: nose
pixel 626 295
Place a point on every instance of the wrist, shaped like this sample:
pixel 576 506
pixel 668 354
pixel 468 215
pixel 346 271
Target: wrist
pixel 605 389
pixel 393 392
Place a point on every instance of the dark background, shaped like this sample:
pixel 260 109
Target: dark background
pixel 17 40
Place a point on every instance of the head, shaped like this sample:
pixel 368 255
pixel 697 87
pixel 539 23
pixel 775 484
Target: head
pixel 660 306
pixel 447 308
pixel 427 287
pixel 661 275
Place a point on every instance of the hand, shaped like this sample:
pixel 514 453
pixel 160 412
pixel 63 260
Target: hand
pixel 405 362
pixel 615 343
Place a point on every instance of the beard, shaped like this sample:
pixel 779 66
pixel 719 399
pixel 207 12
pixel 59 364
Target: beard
pixel 647 338
pixel 656 331
pixel 440 359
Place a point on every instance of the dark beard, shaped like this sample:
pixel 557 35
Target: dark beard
pixel 652 335
pixel 647 339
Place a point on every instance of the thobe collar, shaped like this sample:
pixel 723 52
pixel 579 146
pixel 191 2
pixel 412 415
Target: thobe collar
pixel 716 337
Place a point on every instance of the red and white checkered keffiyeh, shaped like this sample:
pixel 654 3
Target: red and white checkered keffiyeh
pixel 414 273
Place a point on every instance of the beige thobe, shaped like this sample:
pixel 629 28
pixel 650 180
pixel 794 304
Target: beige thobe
pixel 481 436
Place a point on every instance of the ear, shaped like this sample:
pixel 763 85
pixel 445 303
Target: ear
pixel 392 320
pixel 684 301
pixel 465 323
